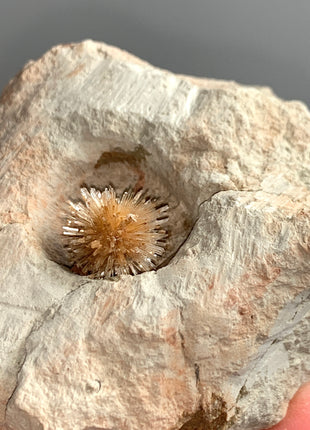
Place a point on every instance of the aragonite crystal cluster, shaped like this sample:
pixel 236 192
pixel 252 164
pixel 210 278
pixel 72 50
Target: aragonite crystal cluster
pixel 216 335
pixel 108 235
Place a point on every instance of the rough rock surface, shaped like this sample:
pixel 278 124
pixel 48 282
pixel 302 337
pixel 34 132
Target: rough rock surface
pixel 216 338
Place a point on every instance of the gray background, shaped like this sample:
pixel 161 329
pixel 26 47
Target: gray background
pixel 264 42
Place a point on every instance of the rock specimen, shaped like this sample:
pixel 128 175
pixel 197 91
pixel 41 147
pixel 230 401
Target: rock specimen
pixel 218 336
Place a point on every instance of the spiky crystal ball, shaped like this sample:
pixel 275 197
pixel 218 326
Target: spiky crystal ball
pixel 106 235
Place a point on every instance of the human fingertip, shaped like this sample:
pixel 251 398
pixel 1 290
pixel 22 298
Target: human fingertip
pixel 298 412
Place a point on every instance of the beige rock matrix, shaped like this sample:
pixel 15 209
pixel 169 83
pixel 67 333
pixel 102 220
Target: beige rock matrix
pixel 218 336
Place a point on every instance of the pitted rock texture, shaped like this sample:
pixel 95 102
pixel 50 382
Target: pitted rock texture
pixel 218 336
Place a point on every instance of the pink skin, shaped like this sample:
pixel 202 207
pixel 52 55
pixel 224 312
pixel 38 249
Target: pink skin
pixel 298 412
